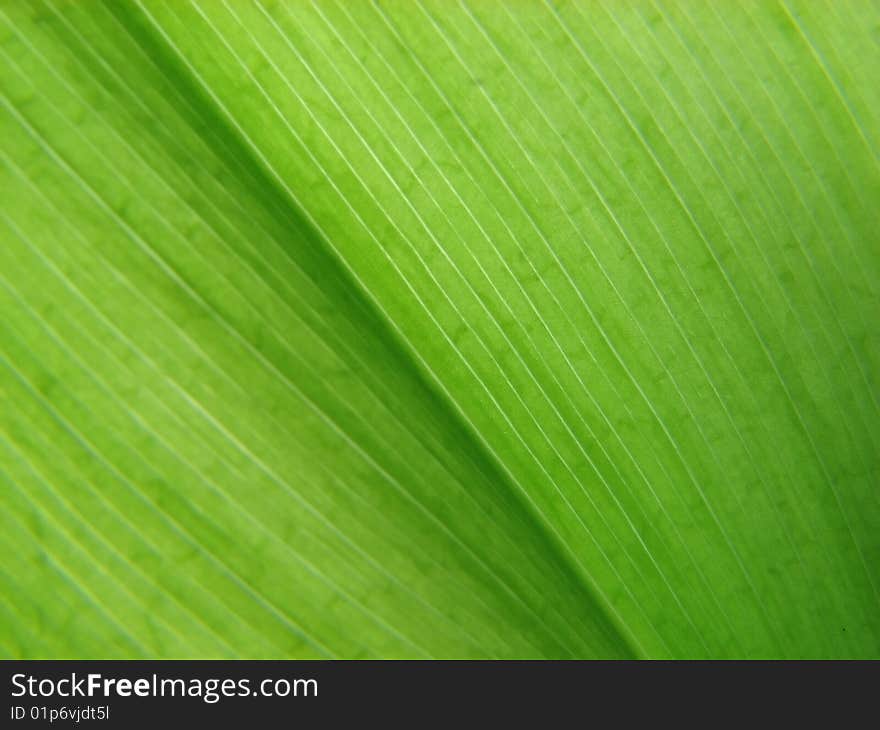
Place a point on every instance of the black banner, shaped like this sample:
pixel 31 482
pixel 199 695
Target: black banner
pixel 545 694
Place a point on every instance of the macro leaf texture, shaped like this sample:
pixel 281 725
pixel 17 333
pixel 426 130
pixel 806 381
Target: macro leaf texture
pixel 445 329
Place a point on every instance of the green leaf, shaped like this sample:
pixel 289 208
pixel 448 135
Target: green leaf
pixel 442 330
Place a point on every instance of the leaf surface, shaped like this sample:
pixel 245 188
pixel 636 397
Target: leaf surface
pixel 440 330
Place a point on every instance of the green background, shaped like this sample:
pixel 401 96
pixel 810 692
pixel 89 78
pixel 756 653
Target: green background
pixel 440 330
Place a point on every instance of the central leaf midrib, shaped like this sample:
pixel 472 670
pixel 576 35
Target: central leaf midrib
pixel 322 264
